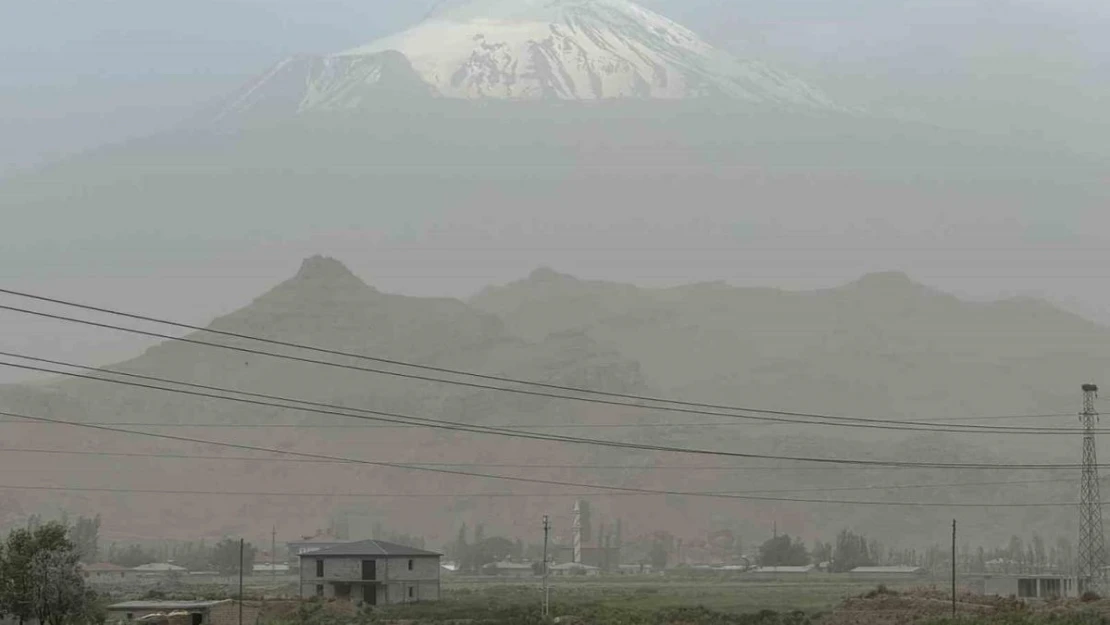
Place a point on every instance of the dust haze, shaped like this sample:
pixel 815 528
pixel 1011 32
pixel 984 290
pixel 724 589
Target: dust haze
pixel 319 308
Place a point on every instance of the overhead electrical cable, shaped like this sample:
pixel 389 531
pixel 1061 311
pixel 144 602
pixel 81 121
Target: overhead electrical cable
pixel 160 491
pixel 560 483
pixel 374 415
pixel 816 460
pixel 488 377
pixel 857 422
pixel 739 469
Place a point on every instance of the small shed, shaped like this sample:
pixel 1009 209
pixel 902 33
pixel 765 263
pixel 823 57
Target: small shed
pixel 225 612
pixel 159 568
pixel 271 569
pixel 1031 586
pixel 509 569
pixel 634 569
pixel 574 568
pixel 887 571
pixel 104 571
pixel 784 570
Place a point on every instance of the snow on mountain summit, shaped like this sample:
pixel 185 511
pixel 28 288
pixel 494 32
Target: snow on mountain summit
pixel 546 49
pixel 577 50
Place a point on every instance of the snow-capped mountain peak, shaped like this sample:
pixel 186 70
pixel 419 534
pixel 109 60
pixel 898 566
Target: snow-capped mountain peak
pixel 542 49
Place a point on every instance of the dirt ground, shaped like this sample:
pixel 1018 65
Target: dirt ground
pixel 929 605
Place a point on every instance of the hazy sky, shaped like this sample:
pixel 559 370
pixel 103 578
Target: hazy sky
pixel 112 69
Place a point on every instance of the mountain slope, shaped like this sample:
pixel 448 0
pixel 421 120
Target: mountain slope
pixel 883 347
pixel 534 49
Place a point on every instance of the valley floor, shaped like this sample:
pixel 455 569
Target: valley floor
pixel 830 600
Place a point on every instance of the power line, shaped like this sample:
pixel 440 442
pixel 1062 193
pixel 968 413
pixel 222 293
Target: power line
pixel 816 460
pixel 505 379
pixel 499 495
pixel 486 465
pixel 455 426
pixel 562 483
pixel 366 426
pixel 330 409
pixel 173 456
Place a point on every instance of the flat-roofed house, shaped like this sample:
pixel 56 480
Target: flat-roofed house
pixel 371 572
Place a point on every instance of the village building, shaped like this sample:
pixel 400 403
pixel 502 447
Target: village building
pixel 224 612
pixel 516 570
pixel 887 571
pixel 784 570
pixel 573 568
pixel 104 571
pixel 1030 586
pixel 371 572
pixel 158 568
pixel 634 569
pixel 315 542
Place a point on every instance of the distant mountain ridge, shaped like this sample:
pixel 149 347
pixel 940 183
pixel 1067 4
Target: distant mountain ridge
pixel 882 347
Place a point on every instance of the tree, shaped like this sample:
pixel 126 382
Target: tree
pixel 493 549
pixel 659 547
pixel 822 552
pixel 225 557
pixel 850 552
pixel 58 593
pixel 783 551
pixel 195 557
pixel 39 576
pixel 131 556
pixel 85 534
pixel 459 551
pixel 1040 555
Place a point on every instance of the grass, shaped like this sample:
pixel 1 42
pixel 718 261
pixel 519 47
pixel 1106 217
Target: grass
pixel 721 594
pixel 650 601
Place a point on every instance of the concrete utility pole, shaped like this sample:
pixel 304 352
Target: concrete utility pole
pixel 953 568
pixel 273 552
pixel 578 531
pixel 242 543
pixel 546 594
pixel 1092 543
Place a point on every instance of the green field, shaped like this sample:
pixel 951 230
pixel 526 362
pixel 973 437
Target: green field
pixel 629 601
pixel 732 595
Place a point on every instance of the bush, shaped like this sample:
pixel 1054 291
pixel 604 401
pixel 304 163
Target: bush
pixel 880 591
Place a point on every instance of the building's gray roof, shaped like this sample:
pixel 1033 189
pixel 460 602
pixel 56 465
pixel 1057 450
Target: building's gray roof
pixel 574 566
pixel 784 569
pixel 371 548
pixel 509 566
pixel 887 569
pixel 165 605
pixel 158 567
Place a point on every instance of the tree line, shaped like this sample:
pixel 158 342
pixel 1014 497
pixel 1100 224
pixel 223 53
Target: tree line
pixel 221 557
pixel 851 550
